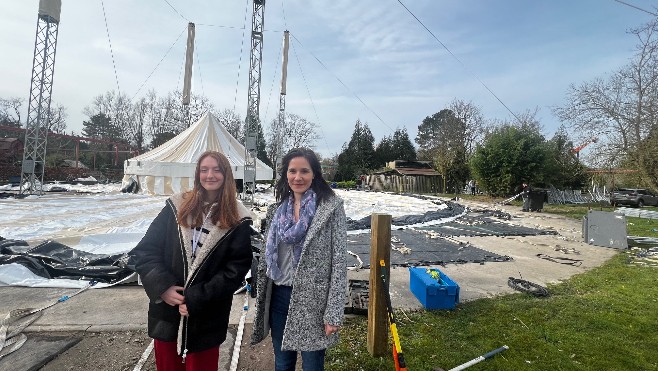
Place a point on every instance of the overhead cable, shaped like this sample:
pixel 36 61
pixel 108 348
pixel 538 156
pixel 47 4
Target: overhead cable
pixel 344 85
pixel 308 91
pixel 198 66
pixel 233 27
pixel 107 29
pixel 158 65
pixel 460 62
pixel 177 12
pixel 636 7
pixel 276 73
pixel 237 82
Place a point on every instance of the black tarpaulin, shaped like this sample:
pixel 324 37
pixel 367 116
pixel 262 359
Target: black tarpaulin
pixel 51 259
pixel 412 248
pixel 473 226
pixel 452 210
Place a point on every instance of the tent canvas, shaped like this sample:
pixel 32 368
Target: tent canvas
pixel 170 167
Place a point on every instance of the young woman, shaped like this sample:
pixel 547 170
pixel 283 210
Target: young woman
pixel 192 259
pixel 302 274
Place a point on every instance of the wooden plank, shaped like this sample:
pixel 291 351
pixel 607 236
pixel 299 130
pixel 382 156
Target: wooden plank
pixel 380 248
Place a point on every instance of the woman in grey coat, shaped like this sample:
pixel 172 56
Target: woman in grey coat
pixel 302 273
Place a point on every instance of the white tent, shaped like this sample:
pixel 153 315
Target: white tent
pixel 170 167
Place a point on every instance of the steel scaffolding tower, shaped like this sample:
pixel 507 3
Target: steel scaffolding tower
pixel 38 114
pixel 253 103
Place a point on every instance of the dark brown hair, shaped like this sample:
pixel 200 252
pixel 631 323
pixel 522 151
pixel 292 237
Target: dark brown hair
pixel 225 213
pixel 319 185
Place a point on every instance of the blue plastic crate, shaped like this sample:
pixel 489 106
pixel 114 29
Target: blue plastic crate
pixel 433 293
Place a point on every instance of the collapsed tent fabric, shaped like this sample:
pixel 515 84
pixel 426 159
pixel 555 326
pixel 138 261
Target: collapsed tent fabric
pixel 52 259
pixel 169 168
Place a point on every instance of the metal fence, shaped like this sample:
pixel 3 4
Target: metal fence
pixel 595 194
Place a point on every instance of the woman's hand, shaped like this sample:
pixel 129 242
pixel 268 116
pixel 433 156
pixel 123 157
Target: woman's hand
pixel 172 296
pixel 182 309
pixel 329 329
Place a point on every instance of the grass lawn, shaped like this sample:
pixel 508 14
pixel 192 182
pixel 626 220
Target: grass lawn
pixel 604 319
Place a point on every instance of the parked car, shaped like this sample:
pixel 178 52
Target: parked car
pixel 634 197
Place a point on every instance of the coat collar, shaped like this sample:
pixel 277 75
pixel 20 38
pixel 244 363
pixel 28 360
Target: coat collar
pixel 322 214
pixel 210 242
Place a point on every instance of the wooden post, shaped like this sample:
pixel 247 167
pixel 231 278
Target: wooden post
pixel 380 248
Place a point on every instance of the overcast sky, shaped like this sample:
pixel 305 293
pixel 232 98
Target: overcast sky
pixel 526 52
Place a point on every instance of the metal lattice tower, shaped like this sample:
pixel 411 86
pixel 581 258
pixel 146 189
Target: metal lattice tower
pixel 43 69
pixel 253 103
pixel 282 104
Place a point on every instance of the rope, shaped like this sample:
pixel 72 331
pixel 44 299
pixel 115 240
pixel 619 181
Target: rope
pixel 506 201
pixel 238 336
pixel 358 259
pixel 144 357
pixel 527 287
pixel 19 319
pixel 561 260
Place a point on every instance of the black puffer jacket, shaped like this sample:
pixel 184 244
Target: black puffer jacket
pixel 163 258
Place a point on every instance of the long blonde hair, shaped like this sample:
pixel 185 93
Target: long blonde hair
pixel 225 213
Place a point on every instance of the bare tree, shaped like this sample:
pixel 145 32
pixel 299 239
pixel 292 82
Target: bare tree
pixel 199 104
pixel 137 125
pixel 474 124
pixel 449 138
pixel 57 119
pixel 295 131
pixel 620 110
pixel 10 111
pixel 232 122
pixel 115 106
pixel 527 120
pixel 101 103
pixel 299 132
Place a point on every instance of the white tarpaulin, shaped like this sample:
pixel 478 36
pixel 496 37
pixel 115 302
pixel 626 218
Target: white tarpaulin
pixel 169 168
pixel 99 219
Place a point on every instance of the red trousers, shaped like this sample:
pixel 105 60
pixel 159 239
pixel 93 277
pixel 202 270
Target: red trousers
pixel 167 358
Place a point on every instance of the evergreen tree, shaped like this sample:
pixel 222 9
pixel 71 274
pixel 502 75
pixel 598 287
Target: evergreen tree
pixel 100 126
pixel 402 147
pixel 394 147
pixel 384 152
pixel 509 156
pixel 357 156
pixel 562 169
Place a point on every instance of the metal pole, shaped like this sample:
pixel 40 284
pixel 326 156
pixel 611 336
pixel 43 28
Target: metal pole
pixel 480 358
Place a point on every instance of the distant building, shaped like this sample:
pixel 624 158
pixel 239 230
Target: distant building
pixel 406 177
pixel 11 150
pixel 72 163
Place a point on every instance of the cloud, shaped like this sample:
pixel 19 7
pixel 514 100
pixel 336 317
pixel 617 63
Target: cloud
pixel 527 53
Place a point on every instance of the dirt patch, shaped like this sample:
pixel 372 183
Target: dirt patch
pixel 121 351
pixel 104 351
pixel 259 357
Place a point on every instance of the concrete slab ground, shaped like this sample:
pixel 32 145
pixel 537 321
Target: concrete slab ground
pixel 37 351
pixel 125 307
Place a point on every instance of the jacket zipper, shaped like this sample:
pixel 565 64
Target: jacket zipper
pixel 184 345
pixel 181 243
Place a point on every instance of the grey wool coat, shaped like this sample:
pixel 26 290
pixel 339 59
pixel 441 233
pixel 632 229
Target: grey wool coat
pixel 319 284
